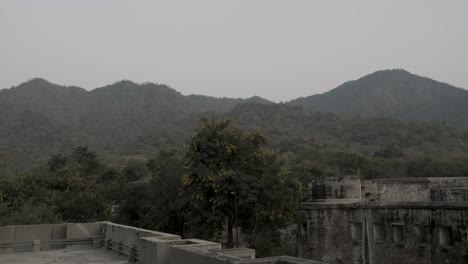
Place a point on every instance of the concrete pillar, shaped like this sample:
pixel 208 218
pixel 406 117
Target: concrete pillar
pixel 119 248
pixel 108 244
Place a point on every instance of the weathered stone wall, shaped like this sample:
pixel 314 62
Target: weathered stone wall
pixel 325 234
pixel 407 189
pixel 450 194
pixel 384 233
pixel 346 187
pixel 396 191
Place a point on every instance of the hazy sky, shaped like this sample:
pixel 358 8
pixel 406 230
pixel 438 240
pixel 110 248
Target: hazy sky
pixel 238 48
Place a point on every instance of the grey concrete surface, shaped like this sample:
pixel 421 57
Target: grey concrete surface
pixel 115 244
pixel 66 256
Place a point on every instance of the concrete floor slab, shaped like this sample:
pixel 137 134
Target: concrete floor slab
pixel 65 256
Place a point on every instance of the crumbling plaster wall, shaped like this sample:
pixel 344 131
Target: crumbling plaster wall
pixel 411 249
pixel 407 190
pixel 346 187
pixel 326 234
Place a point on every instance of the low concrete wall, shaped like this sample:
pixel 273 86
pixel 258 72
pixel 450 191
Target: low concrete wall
pixel 123 239
pixel 140 245
pixel 7 236
pixel 181 255
pixel 151 247
pixel 161 251
pixel 243 253
pixel 83 230
pixel 39 232
pixel 20 238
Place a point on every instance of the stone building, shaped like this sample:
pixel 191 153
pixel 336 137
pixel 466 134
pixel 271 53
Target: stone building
pixel 410 220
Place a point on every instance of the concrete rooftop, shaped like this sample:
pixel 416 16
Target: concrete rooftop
pixel 87 255
pixel 109 243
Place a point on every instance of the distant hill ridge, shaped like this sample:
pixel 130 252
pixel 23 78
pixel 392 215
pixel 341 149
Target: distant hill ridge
pixel 394 93
pixel 127 119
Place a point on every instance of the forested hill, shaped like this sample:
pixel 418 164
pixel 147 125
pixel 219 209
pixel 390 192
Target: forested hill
pixel 128 121
pixel 394 93
pixel 39 118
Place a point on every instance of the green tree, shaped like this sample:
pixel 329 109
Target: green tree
pixel 164 186
pixel 221 161
pixel 57 162
pixel 63 187
pixel 86 159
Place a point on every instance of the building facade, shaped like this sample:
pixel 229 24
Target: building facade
pixel 417 220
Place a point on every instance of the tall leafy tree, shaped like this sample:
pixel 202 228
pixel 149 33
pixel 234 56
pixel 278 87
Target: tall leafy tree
pixel 224 162
pixel 165 201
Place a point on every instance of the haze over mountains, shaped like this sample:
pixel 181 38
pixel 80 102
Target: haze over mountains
pixel 128 120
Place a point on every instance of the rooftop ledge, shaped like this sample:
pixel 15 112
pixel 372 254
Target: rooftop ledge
pixel 105 242
pixel 357 204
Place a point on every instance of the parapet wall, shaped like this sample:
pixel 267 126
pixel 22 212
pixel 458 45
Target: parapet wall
pixel 139 245
pixel 22 238
pixel 346 187
pixel 150 247
pixel 411 189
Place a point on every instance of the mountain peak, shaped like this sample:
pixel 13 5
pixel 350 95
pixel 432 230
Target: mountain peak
pixel 393 71
pixel 257 99
pixel 42 86
pixel 36 82
pixel 389 74
pixel 393 93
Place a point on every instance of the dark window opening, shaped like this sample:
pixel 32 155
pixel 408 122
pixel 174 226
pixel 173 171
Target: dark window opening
pixel 423 234
pixel 445 236
pixel 398 234
pixel 304 229
pixel 379 232
pixel 356 231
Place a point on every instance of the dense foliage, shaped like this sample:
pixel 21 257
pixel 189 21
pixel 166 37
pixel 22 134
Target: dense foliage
pixel 67 189
pixel 191 193
pixel 126 121
pixel 227 166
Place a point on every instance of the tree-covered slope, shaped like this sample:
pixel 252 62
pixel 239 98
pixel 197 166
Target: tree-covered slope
pixel 126 120
pixel 39 118
pixel 394 93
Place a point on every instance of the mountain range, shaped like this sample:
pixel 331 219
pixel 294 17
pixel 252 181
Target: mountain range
pixel 126 120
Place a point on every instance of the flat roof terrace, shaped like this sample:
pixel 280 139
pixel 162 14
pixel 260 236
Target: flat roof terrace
pixel 109 243
pixel 86 255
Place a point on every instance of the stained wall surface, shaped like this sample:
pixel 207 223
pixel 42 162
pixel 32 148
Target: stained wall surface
pixel 421 220
pixel 384 234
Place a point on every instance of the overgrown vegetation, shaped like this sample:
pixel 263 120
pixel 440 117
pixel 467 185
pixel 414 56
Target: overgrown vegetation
pixel 190 193
pixel 133 121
